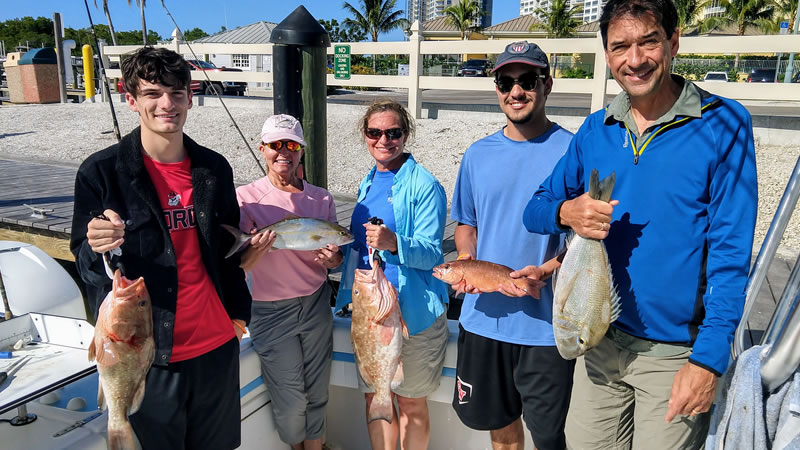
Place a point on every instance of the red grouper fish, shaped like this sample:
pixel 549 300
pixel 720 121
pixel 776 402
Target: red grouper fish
pixel 123 347
pixel 377 332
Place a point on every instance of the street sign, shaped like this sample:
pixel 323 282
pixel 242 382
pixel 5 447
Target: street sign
pixel 341 62
pixel 784 27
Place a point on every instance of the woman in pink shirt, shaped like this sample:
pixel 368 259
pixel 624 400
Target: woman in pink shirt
pixel 291 325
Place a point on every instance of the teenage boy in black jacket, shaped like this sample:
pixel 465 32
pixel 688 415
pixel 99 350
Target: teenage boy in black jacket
pixel 160 199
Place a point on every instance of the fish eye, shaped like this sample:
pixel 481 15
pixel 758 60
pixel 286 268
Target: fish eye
pixel 355 291
pixel 447 266
pixel 581 341
pixel 142 304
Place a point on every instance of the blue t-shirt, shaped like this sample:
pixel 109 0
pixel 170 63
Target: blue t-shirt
pixel 496 179
pixel 377 203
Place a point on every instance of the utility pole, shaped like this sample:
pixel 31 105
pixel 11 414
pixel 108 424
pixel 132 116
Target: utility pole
pixel 787 76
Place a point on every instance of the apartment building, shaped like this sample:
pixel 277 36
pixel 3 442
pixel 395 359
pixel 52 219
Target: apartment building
pixel 427 10
pixel 592 9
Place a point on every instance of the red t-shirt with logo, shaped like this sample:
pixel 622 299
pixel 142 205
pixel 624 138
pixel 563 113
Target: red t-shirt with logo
pixel 201 322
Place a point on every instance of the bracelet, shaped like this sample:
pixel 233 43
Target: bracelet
pixel 462 256
pixel 240 326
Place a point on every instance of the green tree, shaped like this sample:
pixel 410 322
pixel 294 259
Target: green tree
pixel 374 17
pixel 342 33
pixel 194 34
pixel 464 15
pixel 786 10
pixel 559 21
pixel 743 14
pixel 689 13
pixel 108 18
pixel 27 31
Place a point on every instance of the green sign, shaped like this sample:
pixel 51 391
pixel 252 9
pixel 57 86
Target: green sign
pixel 341 62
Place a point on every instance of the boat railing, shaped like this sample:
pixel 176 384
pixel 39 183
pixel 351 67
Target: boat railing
pixel 783 331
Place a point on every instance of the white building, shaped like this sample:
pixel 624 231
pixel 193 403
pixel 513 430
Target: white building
pixel 592 9
pixel 256 33
pixel 427 10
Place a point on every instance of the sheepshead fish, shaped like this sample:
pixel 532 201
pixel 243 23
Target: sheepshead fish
pixel 377 332
pixel 296 233
pixel 123 347
pixel 585 300
pixel 484 275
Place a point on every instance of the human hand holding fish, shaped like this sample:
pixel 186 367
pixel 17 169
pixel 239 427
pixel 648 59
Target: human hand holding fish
pixel 534 276
pixel 105 232
pixel 262 241
pixel 330 256
pixel 380 237
pixel 692 393
pixel 462 287
pixel 589 218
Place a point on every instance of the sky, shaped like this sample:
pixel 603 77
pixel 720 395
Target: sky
pixel 208 15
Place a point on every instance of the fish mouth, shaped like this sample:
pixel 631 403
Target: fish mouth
pixel 125 288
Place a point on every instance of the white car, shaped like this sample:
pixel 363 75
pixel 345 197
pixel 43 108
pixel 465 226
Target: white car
pixel 717 77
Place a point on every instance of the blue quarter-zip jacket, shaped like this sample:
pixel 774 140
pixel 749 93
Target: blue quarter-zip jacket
pixel 681 237
pixel 420 212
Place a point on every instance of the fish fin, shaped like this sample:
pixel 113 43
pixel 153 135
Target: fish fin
pixel 403 326
pixel 107 356
pixel 121 438
pixel 136 402
pixel 568 239
pixel 381 407
pixel 594 184
pixel 241 239
pixel 561 295
pixel 388 298
pixel 291 216
pixel 397 380
pixel 607 187
pixel 101 396
pixel 315 237
pixel 616 303
pixel 91 350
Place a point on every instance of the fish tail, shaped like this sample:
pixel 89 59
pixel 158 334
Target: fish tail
pixel 601 190
pixel 381 408
pixel 120 436
pixel 240 241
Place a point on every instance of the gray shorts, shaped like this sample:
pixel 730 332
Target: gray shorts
pixel 423 359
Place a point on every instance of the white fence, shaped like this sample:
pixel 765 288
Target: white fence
pixel 597 87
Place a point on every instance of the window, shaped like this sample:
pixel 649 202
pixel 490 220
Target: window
pixel 240 61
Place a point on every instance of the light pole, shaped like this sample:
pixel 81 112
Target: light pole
pixel 787 76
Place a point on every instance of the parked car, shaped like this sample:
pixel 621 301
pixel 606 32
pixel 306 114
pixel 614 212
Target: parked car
pixel 224 87
pixel 761 76
pixel 719 77
pixel 796 78
pixel 475 68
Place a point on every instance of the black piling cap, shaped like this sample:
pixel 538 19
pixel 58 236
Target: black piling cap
pixel 300 28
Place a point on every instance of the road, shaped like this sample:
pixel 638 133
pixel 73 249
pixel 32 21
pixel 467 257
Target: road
pixel 557 100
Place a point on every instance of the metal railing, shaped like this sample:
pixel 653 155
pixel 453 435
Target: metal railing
pixel 591 50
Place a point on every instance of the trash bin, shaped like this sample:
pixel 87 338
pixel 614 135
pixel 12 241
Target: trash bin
pixel 38 69
pixel 11 66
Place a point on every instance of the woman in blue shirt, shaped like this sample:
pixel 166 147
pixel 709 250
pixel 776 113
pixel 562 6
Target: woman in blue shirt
pixel 413 207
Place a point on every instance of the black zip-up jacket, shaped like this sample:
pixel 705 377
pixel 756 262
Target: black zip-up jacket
pixel 115 178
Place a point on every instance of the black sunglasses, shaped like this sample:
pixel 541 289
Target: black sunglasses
pixel 391 133
pixel 527 82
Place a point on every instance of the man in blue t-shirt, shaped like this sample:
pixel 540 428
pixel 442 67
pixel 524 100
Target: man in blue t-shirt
pixel 508 364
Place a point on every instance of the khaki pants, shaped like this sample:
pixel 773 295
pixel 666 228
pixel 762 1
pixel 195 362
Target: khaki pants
pixel 619 400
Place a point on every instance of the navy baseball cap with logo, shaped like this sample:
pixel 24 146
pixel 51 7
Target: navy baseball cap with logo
pixel 522 52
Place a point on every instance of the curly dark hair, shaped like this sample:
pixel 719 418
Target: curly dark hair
pixel 155 65
pixel 379 106
pixel 662 10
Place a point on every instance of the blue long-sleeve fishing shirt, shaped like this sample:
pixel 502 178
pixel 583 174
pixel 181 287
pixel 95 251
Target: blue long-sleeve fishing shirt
pixel 681 237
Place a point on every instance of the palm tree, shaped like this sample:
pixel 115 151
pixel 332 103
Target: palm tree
pixel 744 14
pixel 108 18
pixel 464 15
pixel 689 12
pixel 375 17
pixel 141 4
pixel 786 10
pixel 559 20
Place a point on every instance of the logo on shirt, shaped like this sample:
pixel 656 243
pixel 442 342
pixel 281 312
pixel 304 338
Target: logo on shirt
pixel 180 218
pixel 464 391
pixel 625 144
pixel 173 199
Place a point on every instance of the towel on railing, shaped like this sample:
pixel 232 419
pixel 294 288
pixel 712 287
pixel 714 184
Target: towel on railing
pixel 747 417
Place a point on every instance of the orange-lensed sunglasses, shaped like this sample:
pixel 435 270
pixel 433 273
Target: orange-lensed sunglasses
pixel 292 146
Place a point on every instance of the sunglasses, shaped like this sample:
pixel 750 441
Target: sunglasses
pixel 527 82
pixel 292 146
pixel 391 133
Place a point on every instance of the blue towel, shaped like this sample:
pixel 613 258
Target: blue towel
pixel 746 417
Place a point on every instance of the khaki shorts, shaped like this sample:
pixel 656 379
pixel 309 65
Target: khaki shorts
pixel 619 400
pixel 423 359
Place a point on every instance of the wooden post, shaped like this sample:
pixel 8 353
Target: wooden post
pixel 600 70
pixel 415 71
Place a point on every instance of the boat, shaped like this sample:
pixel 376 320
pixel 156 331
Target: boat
pixel 61 390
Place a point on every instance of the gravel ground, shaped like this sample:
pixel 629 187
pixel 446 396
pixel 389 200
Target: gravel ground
pixel 68 133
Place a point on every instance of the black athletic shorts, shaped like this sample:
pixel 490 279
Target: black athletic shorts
pixel 192 404
pixel 496 382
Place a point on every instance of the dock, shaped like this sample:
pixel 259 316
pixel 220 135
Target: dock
pixel 36 203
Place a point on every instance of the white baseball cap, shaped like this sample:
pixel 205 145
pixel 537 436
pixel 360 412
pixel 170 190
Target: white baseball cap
pixel 282 127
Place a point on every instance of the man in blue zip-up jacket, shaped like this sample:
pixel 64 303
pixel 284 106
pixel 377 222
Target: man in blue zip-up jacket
pixel 679 235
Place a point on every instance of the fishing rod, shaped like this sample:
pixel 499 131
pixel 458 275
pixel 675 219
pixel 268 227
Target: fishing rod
pixel 106 90
pixel 216 91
